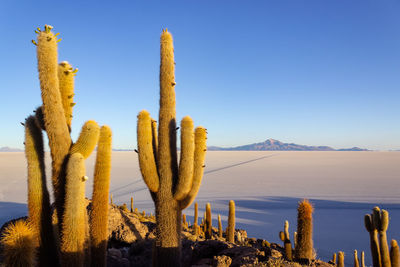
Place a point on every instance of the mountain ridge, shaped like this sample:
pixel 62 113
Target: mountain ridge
pixel 276 145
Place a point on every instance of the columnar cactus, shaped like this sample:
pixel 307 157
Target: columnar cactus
pixel 19 244
pixel 196 218
pixel 74 224
pixel 381 217
pixel 304 246
pixel 230 233
pixel 356 261
pixel 394 253
pixel 53 112
pixel 374 242
pixel 219 226
pixel 39 211
pixel 285 237
pixel 340 259
pixel 362 259
pixel 334 259
pixel 101 187
pixel 208 225
pixel 173 188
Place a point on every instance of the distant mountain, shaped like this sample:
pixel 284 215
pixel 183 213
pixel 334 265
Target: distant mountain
pixel 275 145
pixel 10 149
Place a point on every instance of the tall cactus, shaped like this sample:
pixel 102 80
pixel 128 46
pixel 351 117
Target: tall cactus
pixel 374 242
pixel 381 219
pixel 101 187
pixel 39 211
pixel 304 245
pixel 172 188
pixel 18 242
pixel 285 237
pixel 74 224
pixel 230 233
pixel 53 112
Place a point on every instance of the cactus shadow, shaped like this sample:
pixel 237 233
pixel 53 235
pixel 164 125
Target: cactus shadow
pixel 12 210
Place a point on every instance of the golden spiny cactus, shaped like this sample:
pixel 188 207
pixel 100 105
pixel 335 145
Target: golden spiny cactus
pixel 304 245
pixel 219 226
pixel 340 259
pixel 208 224
pixel 373 236
pixel 19 244
pixel 53 112
pixel 66 77
pixel 285 237
pixel 172 188
pixel 101 187
pixel 381 220
pixel 39 211
pixel 362 259
pixel 74 224
pixel 394 253
pixel 356 261
pixel 334 259
pixel 230 233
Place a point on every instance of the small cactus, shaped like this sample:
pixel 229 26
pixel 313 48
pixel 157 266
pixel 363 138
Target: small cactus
pixel 230 235
pixel 304 246
pixel 356 261
pixel 394 253
pixel 219 226
pixel 208 224
pixel 333 259
pixel 131 204
pixel 285 237
pixel 340 259
pixel 362 259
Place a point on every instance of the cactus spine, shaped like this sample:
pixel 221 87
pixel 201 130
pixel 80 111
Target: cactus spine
pixel 304 246
pixel 173 188
pixel 394 253
pixel 356 261
pixel 230 235
pixel 373 236
pixel 18 241
pixel 39 211
pixel 54 118
pixel 219 226
pixel 340 259
pixel 74 224
pixel 208 225
pixel 101 187
pixel 285 237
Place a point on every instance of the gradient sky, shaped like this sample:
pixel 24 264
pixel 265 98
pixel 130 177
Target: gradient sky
pixel 312 72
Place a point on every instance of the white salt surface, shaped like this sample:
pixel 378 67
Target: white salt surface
pixel 266 187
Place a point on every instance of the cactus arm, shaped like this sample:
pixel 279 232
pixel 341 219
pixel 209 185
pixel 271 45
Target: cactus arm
pixel 186 160
pixel 167 155
pixel 66 85
pixel 147 161
pixel 198 167
pixel 340 259
pixel 53 113
pixel 39 210
pixel 383 225
pixel 154 138
pixel 101 187
pixel 73 230
pixel 87 139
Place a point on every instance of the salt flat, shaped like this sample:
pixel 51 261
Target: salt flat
pixel 266 187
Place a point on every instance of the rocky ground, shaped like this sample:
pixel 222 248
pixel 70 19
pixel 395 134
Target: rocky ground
pixel 131 236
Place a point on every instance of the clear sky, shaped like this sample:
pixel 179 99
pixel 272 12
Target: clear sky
pixel 314 72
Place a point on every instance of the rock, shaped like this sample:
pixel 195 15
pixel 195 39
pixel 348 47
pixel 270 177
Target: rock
pixel 222 261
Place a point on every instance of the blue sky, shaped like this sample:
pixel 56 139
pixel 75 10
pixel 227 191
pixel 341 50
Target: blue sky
pixel 309 71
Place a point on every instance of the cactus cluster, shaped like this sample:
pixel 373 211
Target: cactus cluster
pixel 69 242
pixel 173 187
